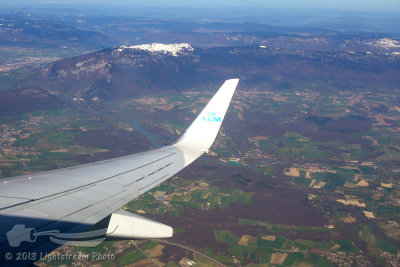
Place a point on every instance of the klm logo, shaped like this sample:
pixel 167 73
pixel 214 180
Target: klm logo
pixel 211 117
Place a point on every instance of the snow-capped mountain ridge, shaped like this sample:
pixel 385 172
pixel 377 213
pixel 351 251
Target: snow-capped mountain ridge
pixel 386 43
pixel 173 49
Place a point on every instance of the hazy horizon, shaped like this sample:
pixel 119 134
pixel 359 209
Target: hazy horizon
pixel 387 6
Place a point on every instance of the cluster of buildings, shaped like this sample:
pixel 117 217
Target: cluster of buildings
pixel 9 135
pixel 313 167
pixel 342 258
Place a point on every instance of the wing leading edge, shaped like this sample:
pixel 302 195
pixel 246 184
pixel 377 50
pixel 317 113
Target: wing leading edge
pixel 73 199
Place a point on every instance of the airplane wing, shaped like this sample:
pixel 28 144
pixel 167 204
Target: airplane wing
pixel 41 211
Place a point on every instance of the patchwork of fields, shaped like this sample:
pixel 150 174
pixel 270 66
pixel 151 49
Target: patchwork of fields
pixel 294 177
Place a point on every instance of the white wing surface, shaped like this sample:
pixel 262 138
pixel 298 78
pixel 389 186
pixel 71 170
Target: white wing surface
pixel 39 210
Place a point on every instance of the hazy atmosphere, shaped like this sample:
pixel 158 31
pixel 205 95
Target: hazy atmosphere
pixel 356 5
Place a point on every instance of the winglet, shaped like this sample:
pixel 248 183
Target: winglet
pixel 201 134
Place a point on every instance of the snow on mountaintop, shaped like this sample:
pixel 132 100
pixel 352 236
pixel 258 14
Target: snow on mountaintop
pixel 173 49
pixel 386 43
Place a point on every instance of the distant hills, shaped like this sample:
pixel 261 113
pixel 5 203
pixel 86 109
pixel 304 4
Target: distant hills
pixel 32 37
pixel 21 30
pixel 129 72
pixel 125 72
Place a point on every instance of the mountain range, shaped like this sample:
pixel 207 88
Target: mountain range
pixel 127 71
